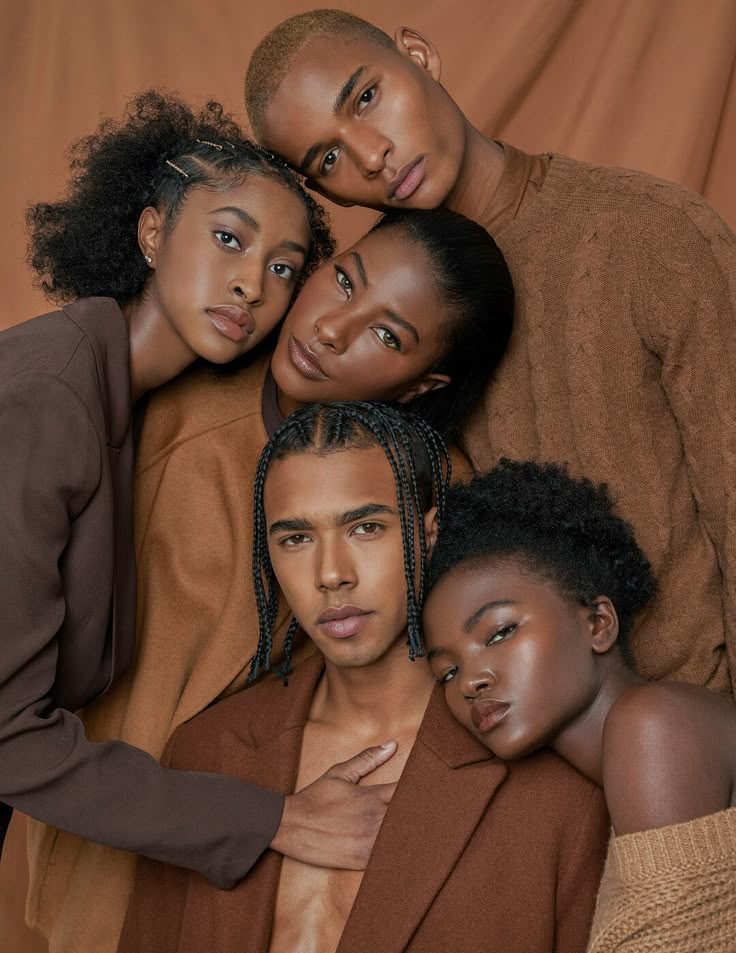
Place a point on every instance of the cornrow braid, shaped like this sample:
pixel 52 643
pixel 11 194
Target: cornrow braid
pixel 421 469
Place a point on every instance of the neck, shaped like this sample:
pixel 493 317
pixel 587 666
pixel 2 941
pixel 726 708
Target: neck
pixel 385 697
pixel 581 741
pixel 480 173
pixel 157 351
pixel 287 405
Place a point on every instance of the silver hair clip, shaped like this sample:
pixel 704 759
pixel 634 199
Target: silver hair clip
pixel 175 166
pixel 206 142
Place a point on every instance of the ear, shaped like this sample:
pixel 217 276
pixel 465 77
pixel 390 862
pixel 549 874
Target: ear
pixel 151 233
pixel 430 529
pixel 603 622
pixel 315 187
pixel 427 383
pixel 419 50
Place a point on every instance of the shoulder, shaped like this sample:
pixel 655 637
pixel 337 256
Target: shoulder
pixel 639 197
pixel 667 756
pixel 202 403
pixel 244 719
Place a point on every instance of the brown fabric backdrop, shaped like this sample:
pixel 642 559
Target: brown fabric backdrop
pixel 642 83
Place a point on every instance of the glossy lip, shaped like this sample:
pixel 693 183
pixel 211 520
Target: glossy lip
pixel 408 180
pixel 486 713
pixel 343 621
pixel 231 321
pixel 304 361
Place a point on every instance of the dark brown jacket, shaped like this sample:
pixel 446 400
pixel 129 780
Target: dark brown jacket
pixel 474 855
pixel 67 608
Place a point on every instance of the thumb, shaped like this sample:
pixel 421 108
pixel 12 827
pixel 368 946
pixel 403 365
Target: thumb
pixel 361 764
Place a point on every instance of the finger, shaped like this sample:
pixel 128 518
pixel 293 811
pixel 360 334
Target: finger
pixel 384 792
pixel 361 764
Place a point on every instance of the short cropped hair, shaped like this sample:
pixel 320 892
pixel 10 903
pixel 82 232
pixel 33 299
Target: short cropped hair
pixel 272 58
pixel 563 529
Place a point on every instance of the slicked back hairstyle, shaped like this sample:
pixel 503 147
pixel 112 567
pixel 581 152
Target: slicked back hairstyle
pixel 563 529
pixel 477 294
pixel 272 58
pixel 87 243
pixel 421 468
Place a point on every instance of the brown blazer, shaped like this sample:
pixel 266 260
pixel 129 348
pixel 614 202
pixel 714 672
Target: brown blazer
pixel 474 855
pixel 67 612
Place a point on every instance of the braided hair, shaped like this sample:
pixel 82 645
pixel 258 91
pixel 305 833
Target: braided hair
pixel 86 244
pixel 421 468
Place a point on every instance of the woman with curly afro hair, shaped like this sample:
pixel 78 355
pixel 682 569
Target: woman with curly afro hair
pixel 177 239
pixel 535 585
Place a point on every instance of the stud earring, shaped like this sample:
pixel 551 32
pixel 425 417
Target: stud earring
pixel 148 258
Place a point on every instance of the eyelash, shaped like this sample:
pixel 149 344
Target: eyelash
pixel 377 527
pixel 504 631
pixel 293 273
pixel 224 231
pixel 347 286
pixel 393 347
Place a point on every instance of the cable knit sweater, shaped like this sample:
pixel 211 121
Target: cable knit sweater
pixel 622 363
pixel 671 889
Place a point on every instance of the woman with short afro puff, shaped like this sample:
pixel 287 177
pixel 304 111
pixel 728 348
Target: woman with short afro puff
pixel 177 239
pixel 535 585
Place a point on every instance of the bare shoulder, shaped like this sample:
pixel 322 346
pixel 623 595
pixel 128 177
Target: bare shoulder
pixel 669 755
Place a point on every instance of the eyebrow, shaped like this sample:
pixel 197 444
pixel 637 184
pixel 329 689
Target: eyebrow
pixel 294 246
pixel 342 97
pixel 403 323
pixel 299 524
pixel 360 266
pixel 347 87
pixel 471 621
pixel 239 213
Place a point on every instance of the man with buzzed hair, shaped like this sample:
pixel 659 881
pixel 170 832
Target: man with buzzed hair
pixel 621 362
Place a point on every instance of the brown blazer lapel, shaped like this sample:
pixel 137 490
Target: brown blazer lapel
pixel 242 917
pixel 443 792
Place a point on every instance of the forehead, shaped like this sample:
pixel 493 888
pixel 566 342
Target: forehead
pixel 468 586
pixel 303 109
pixel 320 486
pixel 394 264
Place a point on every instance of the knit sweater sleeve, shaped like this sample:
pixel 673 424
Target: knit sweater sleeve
pixel 686 260
pixel 670 889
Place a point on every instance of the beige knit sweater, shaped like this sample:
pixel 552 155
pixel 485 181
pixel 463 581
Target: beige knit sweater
pixel 672 889
pixel 622 363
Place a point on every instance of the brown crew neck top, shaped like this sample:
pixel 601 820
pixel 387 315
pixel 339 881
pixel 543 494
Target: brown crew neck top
pixel 621 364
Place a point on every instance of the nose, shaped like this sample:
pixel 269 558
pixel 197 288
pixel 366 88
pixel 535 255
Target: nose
pixel 335 569
pixel 333 330
pixel 247 283
pixel 373 152
pixel 475 684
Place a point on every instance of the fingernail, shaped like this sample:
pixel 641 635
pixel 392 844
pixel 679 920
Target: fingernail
pixel 388 744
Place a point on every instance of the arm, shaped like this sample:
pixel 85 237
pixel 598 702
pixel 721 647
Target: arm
pixel 580 867
pixel 111 792
pixel 50 469
pixel 688 319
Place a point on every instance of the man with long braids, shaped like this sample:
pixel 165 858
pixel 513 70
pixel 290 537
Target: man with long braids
pixel 473 854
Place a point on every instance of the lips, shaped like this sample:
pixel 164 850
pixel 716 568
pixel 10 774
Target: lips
pixel 486 713
pixel 304 361
pixel 231 321
pixel 408 180
pixel 343 621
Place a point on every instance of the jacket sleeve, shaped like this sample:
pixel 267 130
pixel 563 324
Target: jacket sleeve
pixel 581 862
pixel 688 288
pixel 109 792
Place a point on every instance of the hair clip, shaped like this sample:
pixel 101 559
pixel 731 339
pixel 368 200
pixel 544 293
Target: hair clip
pixel 206 142
pixel 175 166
